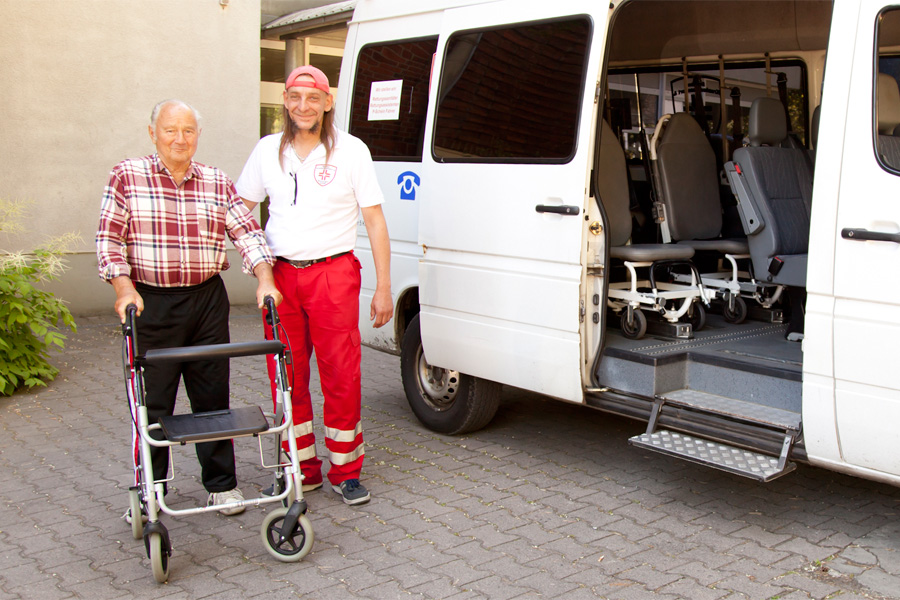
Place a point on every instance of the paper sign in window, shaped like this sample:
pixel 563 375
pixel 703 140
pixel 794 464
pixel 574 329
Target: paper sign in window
pixel 384 100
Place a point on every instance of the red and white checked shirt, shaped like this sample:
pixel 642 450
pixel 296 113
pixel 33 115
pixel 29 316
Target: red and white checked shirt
pixel 166 235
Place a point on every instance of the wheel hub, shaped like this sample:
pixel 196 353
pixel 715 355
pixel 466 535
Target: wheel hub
pixel 439 386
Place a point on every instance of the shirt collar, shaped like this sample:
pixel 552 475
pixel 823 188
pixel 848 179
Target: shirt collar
pixel 159 167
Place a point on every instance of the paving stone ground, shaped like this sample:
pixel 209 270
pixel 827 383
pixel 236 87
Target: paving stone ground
pixel 548 501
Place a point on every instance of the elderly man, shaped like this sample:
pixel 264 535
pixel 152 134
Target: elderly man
pixel 161 244
pixel 318 180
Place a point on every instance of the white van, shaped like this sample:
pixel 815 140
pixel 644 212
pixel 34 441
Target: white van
pixel 533 153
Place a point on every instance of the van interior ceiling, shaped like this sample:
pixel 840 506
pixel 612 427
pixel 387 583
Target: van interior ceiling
pixel 734 378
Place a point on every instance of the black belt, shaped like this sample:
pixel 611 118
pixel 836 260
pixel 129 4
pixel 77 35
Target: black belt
pixel 302 264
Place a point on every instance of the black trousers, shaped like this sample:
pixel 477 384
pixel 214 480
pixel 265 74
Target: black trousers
pixel 177 317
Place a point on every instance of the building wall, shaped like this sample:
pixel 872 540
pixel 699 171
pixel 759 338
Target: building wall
pixel 79 80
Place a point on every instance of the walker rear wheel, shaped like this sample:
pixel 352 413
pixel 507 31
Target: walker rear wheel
pixel 292 547
pixel 137 515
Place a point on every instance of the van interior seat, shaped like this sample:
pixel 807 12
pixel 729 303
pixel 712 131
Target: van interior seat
pixel 779 186
pixel 689 187
pixel 888 119
pixel 612 183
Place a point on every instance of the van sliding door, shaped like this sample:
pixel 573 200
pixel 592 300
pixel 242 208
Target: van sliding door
pixel 501 220
pixel 866 239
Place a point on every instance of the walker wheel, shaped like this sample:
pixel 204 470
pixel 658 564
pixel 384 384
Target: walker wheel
pixel 637 328
pixel 159 558
pixel 291 548
pixel 137 520
pixel 738 314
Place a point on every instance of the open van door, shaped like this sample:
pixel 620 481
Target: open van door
pixel 503 186
pixel 867 239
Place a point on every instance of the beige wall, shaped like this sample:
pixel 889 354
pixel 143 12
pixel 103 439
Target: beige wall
pixel 79 79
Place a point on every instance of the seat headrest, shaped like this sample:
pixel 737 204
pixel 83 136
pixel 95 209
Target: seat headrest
pixel 888 104
pixel 768 125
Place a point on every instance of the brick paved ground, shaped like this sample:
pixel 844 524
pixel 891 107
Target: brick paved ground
pixel 548 501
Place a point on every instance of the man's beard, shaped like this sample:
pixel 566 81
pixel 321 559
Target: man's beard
pixel 314 128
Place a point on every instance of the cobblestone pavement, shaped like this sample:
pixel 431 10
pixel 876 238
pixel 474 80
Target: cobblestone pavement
pixel 547 501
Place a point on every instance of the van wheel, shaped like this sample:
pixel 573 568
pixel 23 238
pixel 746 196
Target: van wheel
pixel 444 400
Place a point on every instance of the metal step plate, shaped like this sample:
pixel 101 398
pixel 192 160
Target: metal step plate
pixel 740 409
pixel 754 465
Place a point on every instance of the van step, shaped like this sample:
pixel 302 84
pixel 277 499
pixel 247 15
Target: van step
pixel 731 407
pixel 218 424
pixel 734 460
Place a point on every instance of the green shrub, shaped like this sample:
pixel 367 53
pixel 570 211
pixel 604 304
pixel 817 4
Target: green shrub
pixel 30 318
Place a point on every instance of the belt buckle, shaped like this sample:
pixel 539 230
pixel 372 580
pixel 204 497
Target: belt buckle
pixel 302 264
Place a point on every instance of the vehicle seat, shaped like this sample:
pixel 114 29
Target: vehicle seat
pixel 774 191
pixel 888 120
pixel 612 183
pixel 689 187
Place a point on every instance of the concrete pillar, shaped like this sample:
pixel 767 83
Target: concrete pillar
pixel 295 55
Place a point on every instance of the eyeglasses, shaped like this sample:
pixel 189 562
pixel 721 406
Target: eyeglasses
pixel 294 175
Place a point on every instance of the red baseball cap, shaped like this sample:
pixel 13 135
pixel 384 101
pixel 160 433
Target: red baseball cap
pixel 320 80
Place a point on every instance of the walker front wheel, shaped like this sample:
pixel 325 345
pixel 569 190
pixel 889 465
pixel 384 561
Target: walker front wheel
pixel 159 558
pixel 291 547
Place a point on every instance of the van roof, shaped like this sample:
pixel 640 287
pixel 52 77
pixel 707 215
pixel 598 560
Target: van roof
pixel 371 10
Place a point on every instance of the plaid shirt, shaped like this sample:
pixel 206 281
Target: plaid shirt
pixel 166 235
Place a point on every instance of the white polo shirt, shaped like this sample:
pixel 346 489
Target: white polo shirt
pixel 323 219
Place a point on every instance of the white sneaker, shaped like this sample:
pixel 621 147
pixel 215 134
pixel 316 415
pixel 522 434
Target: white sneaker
pixel 234 495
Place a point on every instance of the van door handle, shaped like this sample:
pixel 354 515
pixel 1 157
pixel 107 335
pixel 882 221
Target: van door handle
pixel 560 209
pixel 864 235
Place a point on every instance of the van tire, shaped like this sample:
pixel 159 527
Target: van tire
pixel 443 400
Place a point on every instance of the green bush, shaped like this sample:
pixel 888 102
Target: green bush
pixel 30 318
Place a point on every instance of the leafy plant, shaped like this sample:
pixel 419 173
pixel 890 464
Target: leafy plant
pixel 30 318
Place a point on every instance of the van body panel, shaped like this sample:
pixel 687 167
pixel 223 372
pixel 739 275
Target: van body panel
pixel 500 295
pixel 511 293
pixel 866 289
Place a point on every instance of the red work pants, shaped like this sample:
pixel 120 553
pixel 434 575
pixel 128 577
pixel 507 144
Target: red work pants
pixel 321 311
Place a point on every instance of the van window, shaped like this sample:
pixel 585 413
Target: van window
pixel 390 98
pixel 886 121
pixel 512 94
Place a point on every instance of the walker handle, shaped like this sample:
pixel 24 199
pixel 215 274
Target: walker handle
pixel 272 316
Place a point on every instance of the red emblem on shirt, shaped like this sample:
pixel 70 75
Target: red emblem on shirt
pixel 324 174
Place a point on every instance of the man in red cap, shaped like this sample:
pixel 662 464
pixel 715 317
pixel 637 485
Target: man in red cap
pixel 318 179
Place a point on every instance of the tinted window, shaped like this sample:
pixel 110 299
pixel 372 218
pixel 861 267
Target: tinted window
pixel 512 94
pixel 394 132
pixel 886 119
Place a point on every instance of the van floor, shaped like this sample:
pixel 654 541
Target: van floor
pixel 749 362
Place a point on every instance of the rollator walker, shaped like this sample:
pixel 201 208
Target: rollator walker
pixel 286 531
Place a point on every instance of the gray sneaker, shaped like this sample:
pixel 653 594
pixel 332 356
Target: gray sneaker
pixel 234 495
pixel 352 491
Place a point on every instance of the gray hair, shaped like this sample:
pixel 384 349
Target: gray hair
pixel 154 115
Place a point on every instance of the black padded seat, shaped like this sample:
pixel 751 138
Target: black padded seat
pixel 612 182
pixel 728 246
pixel 778 185
pixel 689 187
pixel 651 252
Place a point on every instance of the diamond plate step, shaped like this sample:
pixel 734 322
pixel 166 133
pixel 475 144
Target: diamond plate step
pixel 740 409
pixel 746 463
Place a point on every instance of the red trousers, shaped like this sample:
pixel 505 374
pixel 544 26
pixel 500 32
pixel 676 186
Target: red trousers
pixel 321 312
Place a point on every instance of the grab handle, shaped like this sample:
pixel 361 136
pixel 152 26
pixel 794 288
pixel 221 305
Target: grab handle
pixel 559 209
pixel 864 235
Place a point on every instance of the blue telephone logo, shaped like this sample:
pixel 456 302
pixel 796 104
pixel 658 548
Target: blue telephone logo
pixel 408 182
